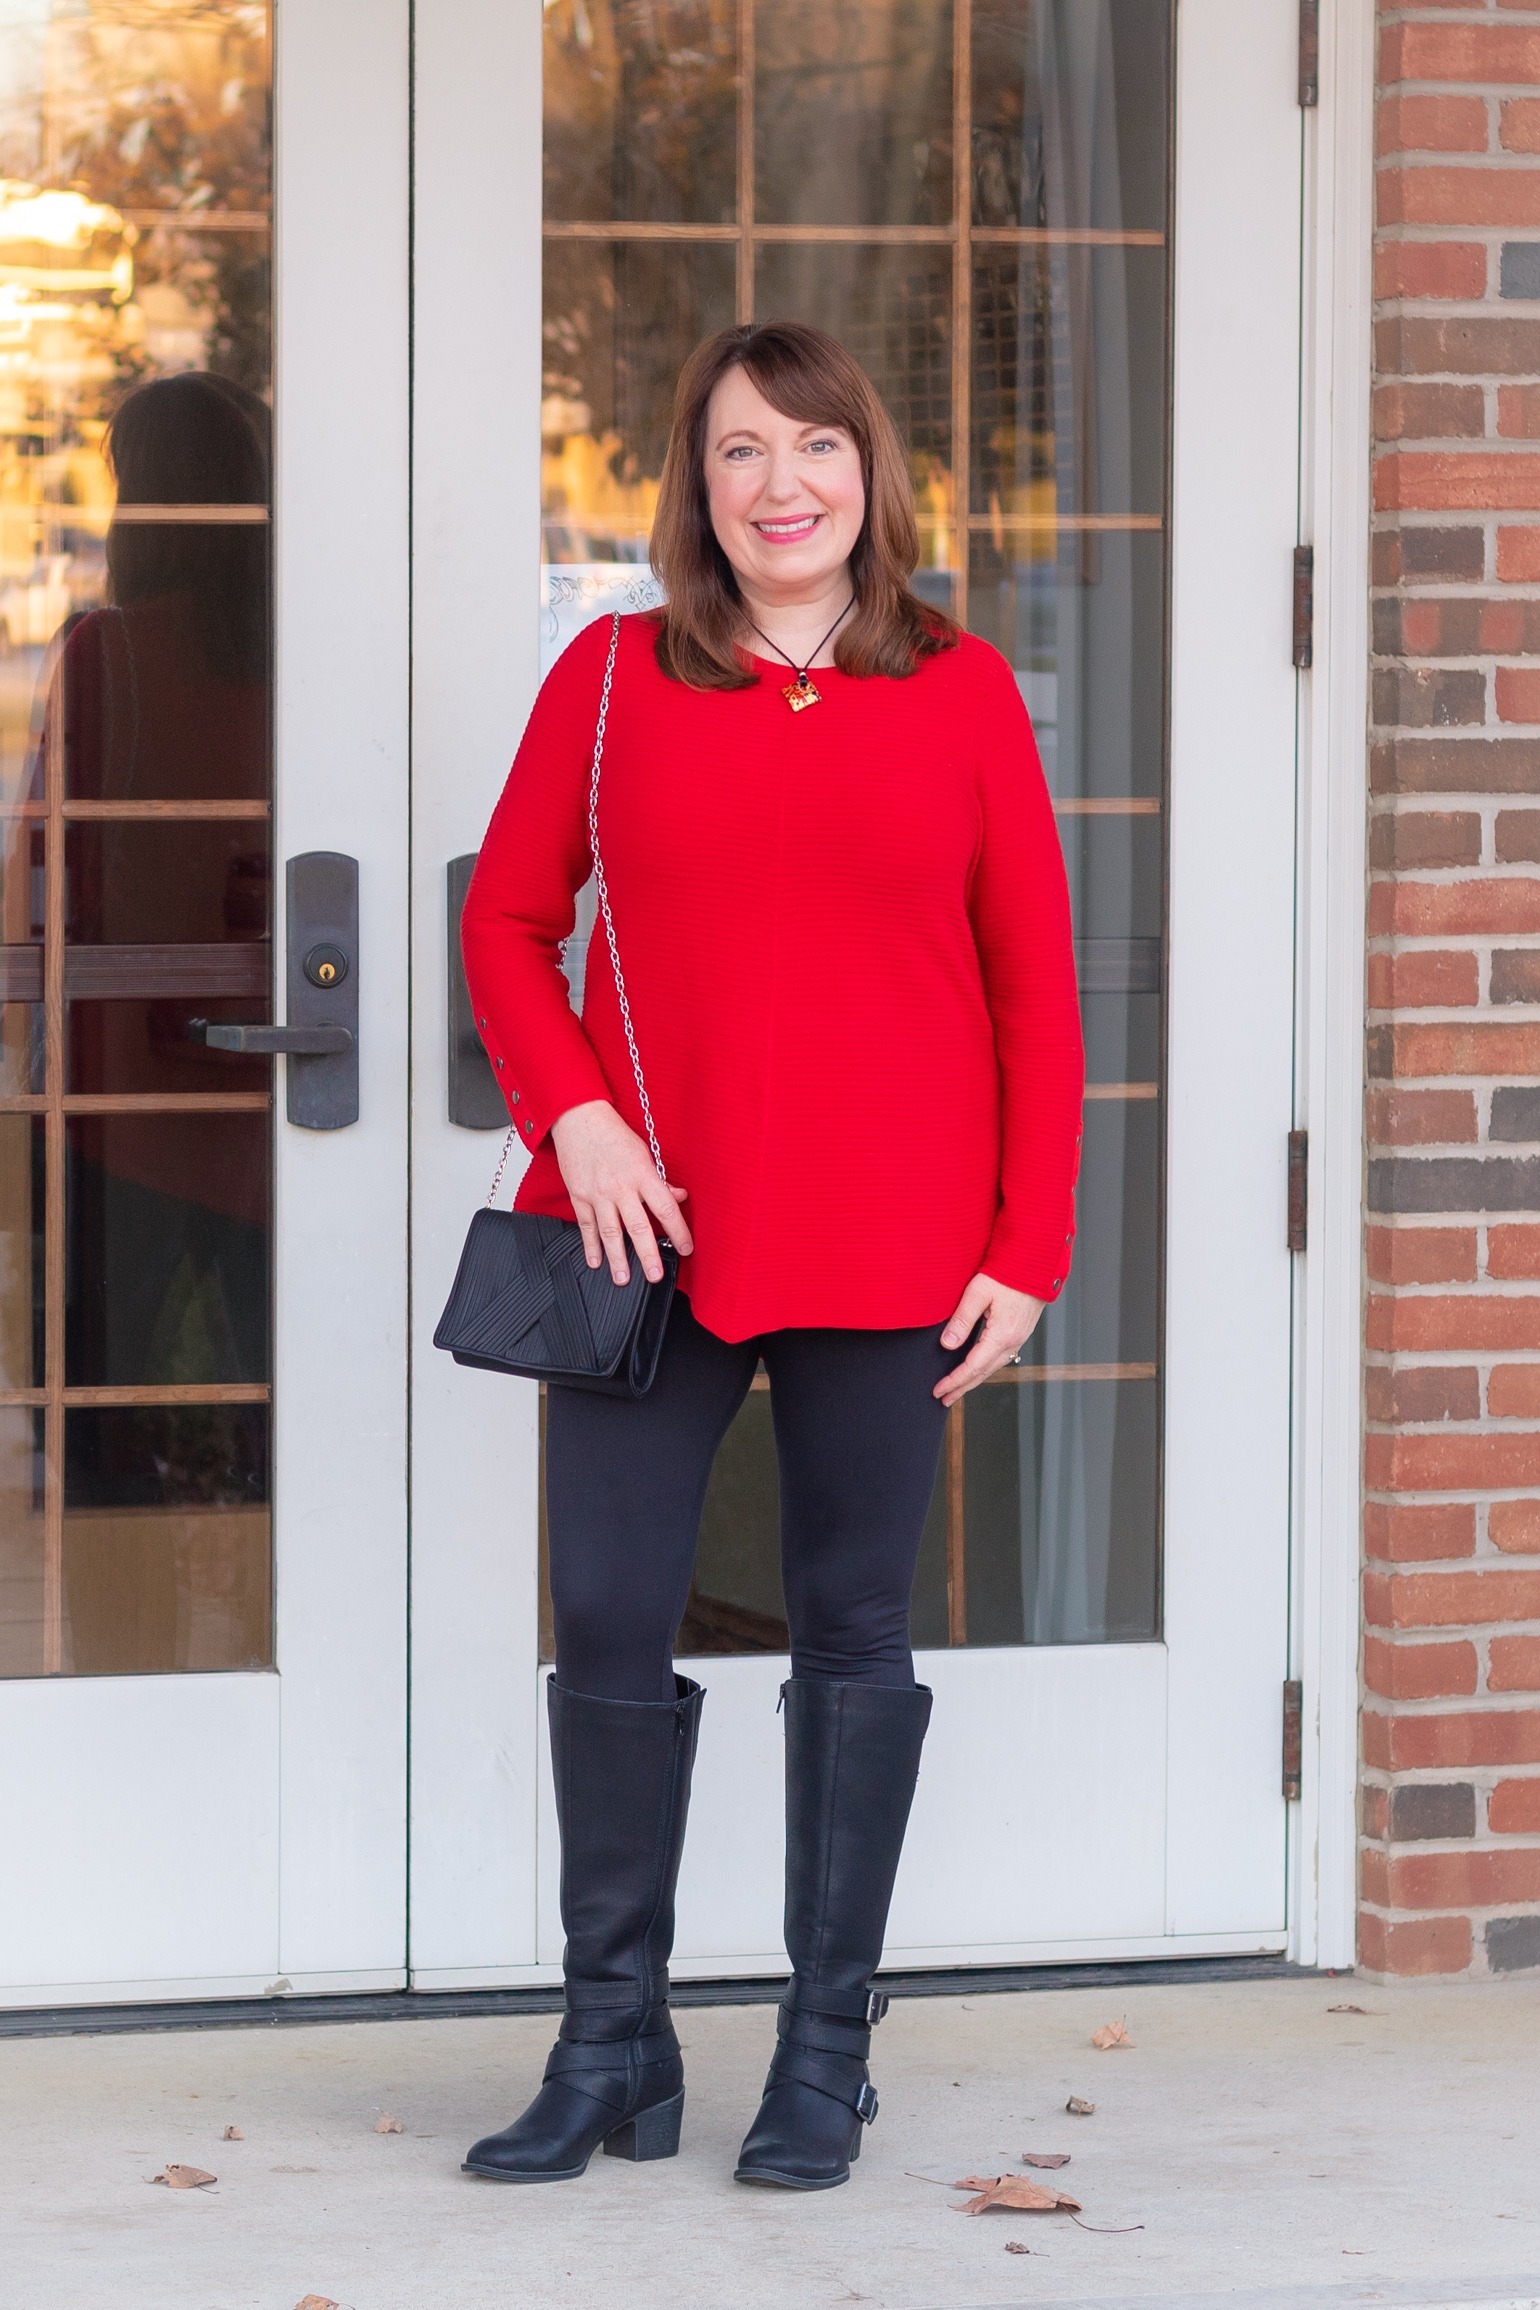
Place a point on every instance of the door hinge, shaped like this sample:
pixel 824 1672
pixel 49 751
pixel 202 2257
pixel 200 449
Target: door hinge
pixel 1309 52
pixel 1299 1187
pixel 1293 1738
pixel 1304 608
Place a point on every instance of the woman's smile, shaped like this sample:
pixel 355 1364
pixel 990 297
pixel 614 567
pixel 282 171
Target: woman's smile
pixel 789 531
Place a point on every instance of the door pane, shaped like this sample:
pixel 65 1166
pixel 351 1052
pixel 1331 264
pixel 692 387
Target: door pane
pixel 135 785
pixel 1025 360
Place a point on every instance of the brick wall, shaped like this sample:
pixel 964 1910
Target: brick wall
pixel 1450 1826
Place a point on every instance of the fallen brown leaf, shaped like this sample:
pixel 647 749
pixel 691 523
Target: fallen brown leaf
pixel 1015 2194
pixel 1115 2033
pixel 1015 2246
pixel 232 2134
pixel 1347 2009
pixel 317 2302
pixel 1052 2159
pixel 388 2125
pixel 1079 2108
pixel 185 2178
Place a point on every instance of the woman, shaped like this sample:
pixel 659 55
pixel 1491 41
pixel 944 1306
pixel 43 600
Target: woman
pixel 844 932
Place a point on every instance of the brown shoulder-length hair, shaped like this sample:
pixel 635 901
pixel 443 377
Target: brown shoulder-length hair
pixel 810 376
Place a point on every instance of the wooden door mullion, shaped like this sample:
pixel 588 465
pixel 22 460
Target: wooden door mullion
pixel 53 1203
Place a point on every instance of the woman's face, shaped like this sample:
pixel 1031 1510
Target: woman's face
pixel 787 498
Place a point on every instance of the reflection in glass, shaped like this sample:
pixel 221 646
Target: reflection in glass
pixel 21 1542
pixel 620 319
pixel 135 620
pixel 167 1540
pixel 167 1250
pixel 21 1251
pixel 853 113
pixel 1029 357
pixel 641 110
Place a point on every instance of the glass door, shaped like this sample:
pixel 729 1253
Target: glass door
pixel 988 201
pixel 160 1545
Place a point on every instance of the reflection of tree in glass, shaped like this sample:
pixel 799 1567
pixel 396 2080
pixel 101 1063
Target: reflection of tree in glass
pixel 163 105
pixel 641 110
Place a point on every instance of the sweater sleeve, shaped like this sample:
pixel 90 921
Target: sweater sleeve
pixel 520 904
pixel 1019 905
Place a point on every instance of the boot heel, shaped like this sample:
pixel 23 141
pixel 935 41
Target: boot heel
pixel 652 2133
pixel 855 2147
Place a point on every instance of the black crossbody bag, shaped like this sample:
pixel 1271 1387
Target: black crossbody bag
pixel 525 1299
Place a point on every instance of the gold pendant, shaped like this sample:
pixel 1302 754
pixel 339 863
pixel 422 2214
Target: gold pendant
pixel 801 693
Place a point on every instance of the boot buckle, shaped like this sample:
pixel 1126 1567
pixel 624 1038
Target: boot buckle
pixel 876 2007
pixel 866 2103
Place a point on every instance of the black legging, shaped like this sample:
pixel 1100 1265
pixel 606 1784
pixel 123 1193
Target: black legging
pixel 857 1433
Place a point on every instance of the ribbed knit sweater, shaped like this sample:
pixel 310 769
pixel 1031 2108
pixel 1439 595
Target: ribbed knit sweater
pixel 845 936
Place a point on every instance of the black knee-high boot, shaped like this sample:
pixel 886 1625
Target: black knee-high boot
pixel 622 1773
pixel 852 1757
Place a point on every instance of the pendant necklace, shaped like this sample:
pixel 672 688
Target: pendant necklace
pixel 802 693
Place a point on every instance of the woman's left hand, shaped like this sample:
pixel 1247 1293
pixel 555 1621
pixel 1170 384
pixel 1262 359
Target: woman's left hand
pixel 1010 1319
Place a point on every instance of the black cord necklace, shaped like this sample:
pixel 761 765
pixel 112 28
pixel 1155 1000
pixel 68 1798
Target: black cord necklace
pixel 802 693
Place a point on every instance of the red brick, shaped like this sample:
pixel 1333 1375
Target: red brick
pixel 1471 52
pixel 1518 413
pixel 1514 1809
pixel 1513 1392
pixel 1509 629
pixel 1456 1049
pixel 1458 196
pixel 1419 1671
pixel 1374 1809
pixel 1406 909
pixel 1418 838
pixel 1430 269
pixel 1513 1664
pixel 1485 480
pixel 1519 124
pixel 1421 1119
pixel 1450 1599
pixel 1432 124
pixel 1518 693
pixel 1492 1736
pixel 1422 1254
pixel 1374 1877
pixel 1417 1946
pixel 1518 555
pixel 1402 1532
pixel 1514 1527
pixel 1517 836
pixel 1409 1395
pixel 1429 1323
pixel 1493 343
pixel 1479 1880
pixel 1439 980
pixel 1513 1254
pixel 1412 412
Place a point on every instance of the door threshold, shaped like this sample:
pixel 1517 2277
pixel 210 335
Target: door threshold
pixel 467 2004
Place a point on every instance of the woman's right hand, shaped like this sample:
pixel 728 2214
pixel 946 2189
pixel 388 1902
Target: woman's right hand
pixel 614 1185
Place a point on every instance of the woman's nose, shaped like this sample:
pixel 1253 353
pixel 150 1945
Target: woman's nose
pixel 783 483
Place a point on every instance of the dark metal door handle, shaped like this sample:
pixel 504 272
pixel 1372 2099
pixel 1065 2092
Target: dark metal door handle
pixel 310 1042
pixel 320 1041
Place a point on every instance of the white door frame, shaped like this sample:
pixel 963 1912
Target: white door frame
pixel 475 1793
pixel 198 1835
pixel 1333 723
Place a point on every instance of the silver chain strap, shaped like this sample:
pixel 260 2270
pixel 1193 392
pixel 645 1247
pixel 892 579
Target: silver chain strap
pixel 602 890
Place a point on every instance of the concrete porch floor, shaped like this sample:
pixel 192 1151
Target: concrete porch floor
pixel 1270 2150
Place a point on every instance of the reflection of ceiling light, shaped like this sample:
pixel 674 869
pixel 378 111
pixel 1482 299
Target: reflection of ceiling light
pixel 559 417
pixel 62 241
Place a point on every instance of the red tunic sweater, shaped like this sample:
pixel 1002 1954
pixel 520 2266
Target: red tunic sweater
pixel 845 936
